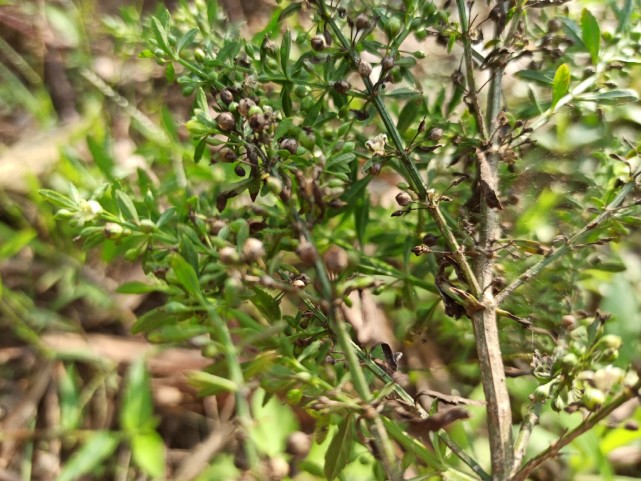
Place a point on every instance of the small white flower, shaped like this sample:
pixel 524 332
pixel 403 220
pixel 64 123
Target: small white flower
pixel 376 144
pixel 608 377
pixel 88 210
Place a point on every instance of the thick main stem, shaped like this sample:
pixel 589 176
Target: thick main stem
pixel 488 347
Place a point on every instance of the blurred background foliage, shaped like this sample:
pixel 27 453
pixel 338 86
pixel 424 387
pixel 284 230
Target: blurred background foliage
pixel 78 106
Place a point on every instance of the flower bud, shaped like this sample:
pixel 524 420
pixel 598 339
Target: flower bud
pixel 593 398
pixel 113 231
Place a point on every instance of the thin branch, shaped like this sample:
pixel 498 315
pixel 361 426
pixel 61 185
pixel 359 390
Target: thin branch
pixel 522 440
pixel 595 418
pixel 537 268
pixel 381 438
pixel 469 68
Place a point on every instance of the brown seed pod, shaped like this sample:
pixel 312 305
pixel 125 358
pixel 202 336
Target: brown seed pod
pixel 342 86
pixel 336 259
pixel 298 444
pixel 387 63
pixel 257 122
pixel 307 252
pixel 364 68
pixel 253 250
pixel 291 145
pixel 435 134
pixel 226 97
pixel 226 121
pixel 244 105
pixel 239 170
pixel 318 43
pixel 403 199
pixel 363 22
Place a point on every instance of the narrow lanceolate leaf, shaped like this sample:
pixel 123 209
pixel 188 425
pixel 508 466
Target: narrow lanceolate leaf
pixel 591 34
pixel 561 83
pixel 210 384
pixel 186 275
pixel 90 456
pixel 148 450
pixel 137 409
pixel 340 449
pixel 611 97
pixel 289 10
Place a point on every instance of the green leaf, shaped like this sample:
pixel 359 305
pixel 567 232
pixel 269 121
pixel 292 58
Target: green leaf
pixel 70 403
pixel 137 287
pixel 407 116
pixel 560 84
pixel 57 199
pixel 266 304
pixel 340 449
pixel 186 275
pixel 285 49
pixel 210 384
pixel 200 150
pixel 611 97
pixel 99 446
pixel 286 99
pixel 160 34
pixel 404 93
pixel 148 452
pixel 102 158
pixel 591 34
pixel 126 207
pixel 543 78
pixel 229 51
pixel 289 10
pixel 136 413
pixel 186 40
pixel 16 242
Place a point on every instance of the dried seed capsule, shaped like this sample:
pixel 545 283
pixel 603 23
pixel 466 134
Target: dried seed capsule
pixel 244 105
pixel 318 43
pixel 228 255
pixel 290 145
pixel 253 250
pixel 364 68
pixel 336 259
pixel 403 199
pixel 239 170
pixel 226 121
pixel 226 97
pixel 342 86
pixel 387 63
pixel 435 134
pixel 307 252
pixel 257 122
pixel 429 239
pixel 363 22
pixel 298 444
